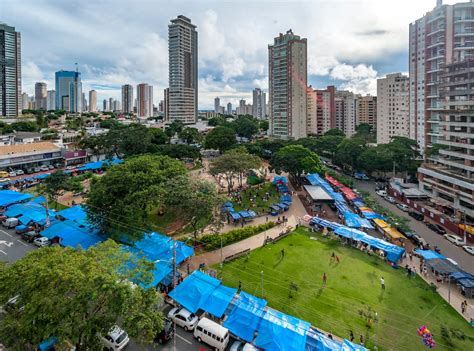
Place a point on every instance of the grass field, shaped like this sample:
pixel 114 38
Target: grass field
pixel 351 296
pixel 261 206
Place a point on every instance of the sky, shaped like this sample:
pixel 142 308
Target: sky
pixel 115 42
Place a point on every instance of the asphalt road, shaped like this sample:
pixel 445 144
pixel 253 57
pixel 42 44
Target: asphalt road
pixel 12 248
pixel 465 260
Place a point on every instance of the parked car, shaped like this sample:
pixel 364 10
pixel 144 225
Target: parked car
pixel 417 215
pixel 382 193
pixel 57 165
pixel 436 228
pixel 37 169
pixel 11 222
pixel 403 207
pixel 469 249
pixel 212 333
pixel 70 168
pixel 19 172
pixel 4 180
pixel 241 346
pixel 419 241
pixel 42 241
pixel 167 333
pixel 360 176
pixel 50 167
pixel 116 339
pixel 3 174
pixel 183 318
pixel 12 174
pixel 44 168
pixel 390 199
pixel 30 236
pixel 30 171
pixel 456 240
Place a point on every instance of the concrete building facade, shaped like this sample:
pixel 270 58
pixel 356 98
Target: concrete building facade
pixel 92 101
pixel 217 105
pixel 259 105
pixel 51 100
pixel 287 64
pixel 182 104
pixel 345 103
pixel 10 71
pixel 367 111
pixel 392 107
pixel 127 98
pixel 40 95
pixel 144 100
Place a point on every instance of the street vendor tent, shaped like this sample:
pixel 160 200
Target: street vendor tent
pixel 9 197
pixel 27 212
pixel 428 254
pixel 317 341
pixel 160 247
pixel 353 220
pixel 279 180
pixel 324 223
pixel 442 266
pixel 217 302
pixel 72 234
pixel 77 214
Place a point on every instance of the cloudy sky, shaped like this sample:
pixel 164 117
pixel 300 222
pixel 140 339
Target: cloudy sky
pixel 350 43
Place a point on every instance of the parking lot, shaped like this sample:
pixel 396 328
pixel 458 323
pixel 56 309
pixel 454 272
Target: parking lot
pixel 12 247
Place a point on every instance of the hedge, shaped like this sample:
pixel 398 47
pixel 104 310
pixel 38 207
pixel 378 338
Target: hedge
pixel 213 241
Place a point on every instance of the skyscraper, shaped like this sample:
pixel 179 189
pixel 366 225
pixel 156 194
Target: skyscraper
pixel 24 101
pixel 229 108
pixel 127 98
pixel 92 101
pixel 84 102
pixel 259 104
pixel 442 36
pixel 51 100
pixel 287 64
pixel 105 105
pixel 144 100
pixel 68 91
pixel 346 111
pixel 111 104
pixel 40 95
pixel 392 107
pixel 217 105
pixel 182 96
pixel 367 111
pixel 10 71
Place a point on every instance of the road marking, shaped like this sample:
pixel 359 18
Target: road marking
pixel 3 252
pixel 4 232
pixel 6 243
pixel 21 242
pixel 179 336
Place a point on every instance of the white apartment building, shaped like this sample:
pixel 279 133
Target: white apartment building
pixel 345 111
pixel 392 107
pixel 259 104
pixel 51 100
pixel 92 101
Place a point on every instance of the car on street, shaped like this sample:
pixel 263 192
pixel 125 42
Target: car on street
pixel 29 236
pixel 403 207
pixel 41 241
pixel 12 174
pixel 416 215
pixel 30 171
pixel 167 333
pixel 456 240
pixel 44 168
pixel 3 174
pixel 37 169
pixel 50 167
pixel 469 249
pixel 183 318
pixel 436 228
pixel 70 168
pixel 19 172
pixel 242 346
pixel 11 222
pixel 116 339
pixel 419 241
pixel 382 193
pixel 390 199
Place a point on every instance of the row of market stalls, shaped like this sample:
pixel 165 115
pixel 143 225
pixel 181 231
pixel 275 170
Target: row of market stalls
pixel 281 183
pixel 239 216
pixel 250 319
pixel 446 270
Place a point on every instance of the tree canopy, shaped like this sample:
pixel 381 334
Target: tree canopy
pixel 296 160
pixel 190 135
pixel 348 152
pixel 246 126
pixel 220 138
pixel 119 201
pixel 58 182
pixel 74 295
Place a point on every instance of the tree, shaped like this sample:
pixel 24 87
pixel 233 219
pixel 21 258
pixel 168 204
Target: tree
pixel 196 200
pixel 245 126
pixel 296 160
pixel 190 135
pixel 174 128
pixel 119 201
pixel 365 131
pixel 334 132
pixel 377 158
pixel 434 150
pixel 179 151
pixel 57 183
pixel 220 138
pixel 76 294
pixel 158 137
pixel 216 121
pixel 348 152
pixel 264 125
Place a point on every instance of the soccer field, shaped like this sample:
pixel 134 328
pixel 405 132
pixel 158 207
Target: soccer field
pixel 352 298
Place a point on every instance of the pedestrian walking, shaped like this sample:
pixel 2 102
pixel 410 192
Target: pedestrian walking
pixel 351 336
pixel 333 256
pixel 187 268
pixel 361 339
pixel 325 278
pixel 337 258
pixel 282 253
pixel 411 256
pixel 240 287
pixel 463 308
pixel 382 283
pixel 266 219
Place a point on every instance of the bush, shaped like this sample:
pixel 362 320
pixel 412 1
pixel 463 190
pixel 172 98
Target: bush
pixel 213 241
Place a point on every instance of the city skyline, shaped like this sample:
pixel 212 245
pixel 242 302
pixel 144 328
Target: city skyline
pixel 230 65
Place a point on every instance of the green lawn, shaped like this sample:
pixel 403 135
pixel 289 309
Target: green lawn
pixel 260 190
pixel 352 291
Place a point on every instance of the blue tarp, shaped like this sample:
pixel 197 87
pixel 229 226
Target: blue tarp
pixel 38 200
pixel 317 341
pixel 282 188
pixel 353 220
pixel 48 344
pixel 91 166
pixel 75 213
pixel 372 215
pixel 466 283
pixel 359 203
pixel 41 176
pixel 275 207
pixel 194 291
pixel 429 254
pixel 160 272
pixel 247 214
pixel 159 247
pixel 8 197
pixel 279 331
pixel 29 212
pixel 228 204
pixel 286 198
pixel 245 316
pixel 217 303
pixel 324 223
pixel 235 216
pixel 394 252
pixel 316 179
pixel 279 180
pixel 461 275
pixel 72 234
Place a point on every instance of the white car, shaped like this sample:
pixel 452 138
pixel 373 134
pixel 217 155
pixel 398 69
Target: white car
pixel 469 249
pixel 12 174
pixel 70 167
pixel 240 346
pixel 403 207
pixel 44 168
pixel 19 172
pixel 116 339
pixel 390 199
pixel 382 193
pixel 183 318
pixel 452 261
pixel 456 240
pixel 42 241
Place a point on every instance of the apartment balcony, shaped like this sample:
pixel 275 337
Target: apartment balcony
pixel 460 134
pixel 456 144
pixel 456 124
pixel 437 57
pixel 435 44
pixel 457 82
pixel 457 154
pixel 446 174
pixel 456 164
pixel 460 92
pixel 440 29
pixel 463 19
pixel 460 103
pixel 466 46
pixel 435 18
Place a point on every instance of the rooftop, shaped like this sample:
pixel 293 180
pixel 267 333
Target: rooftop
pixel 20 149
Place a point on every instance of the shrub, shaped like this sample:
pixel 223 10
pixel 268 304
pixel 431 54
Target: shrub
pixel 213 241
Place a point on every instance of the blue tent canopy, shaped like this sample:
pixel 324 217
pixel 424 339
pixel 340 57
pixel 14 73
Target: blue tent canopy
pixel 283 206
pixel 247 214
pixel 41 176
pixel 75 213
pixel 217 302
pixel 466 283
pixel 461 275
pixel 235 215
pixel 48 344
pixel 372 215
pixel 9 197
pixel 359 203
pixel 286 198
pixel 353 220
pixel 245 316
pixel 279 331
pixel 72 234
pixel 275 207
pixel 228 204
pixel 29 212
pixel 429 254
pixel 324 223
pixel 91 166
pixel 194 291
pixel 316 179
pixel 38 200
pixel 160 272
pixel 159 247
pixel 279 179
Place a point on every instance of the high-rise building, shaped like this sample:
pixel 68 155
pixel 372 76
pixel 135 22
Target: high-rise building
pixel 68 91
pixel 442 36
pixel 105 105
pixel 10 71
pixel 111 104
pixel 161 106
pixel 182 104
pixel 448 176
pixel 144 100
pixel 40 95
pixel 117 105
pixel 217 105
pixel 367 111
pixel 345 103
pixel 392 107
pixel 24 101
pixel 259 104
pixel 127 98
pixel 287 64
pixel 84 102
pixel 229 108
pixel 321 110
pixel 50 100
pixel 92 101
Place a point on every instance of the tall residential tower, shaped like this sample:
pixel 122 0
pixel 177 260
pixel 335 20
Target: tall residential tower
pixel 127 98
pixel 10 71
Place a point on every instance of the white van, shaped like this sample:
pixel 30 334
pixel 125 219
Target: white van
pixel 116 339
pixel 212 334
pixel 11 222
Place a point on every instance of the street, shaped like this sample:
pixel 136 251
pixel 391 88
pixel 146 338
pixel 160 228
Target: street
pixel 465 260
pixel 12 248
